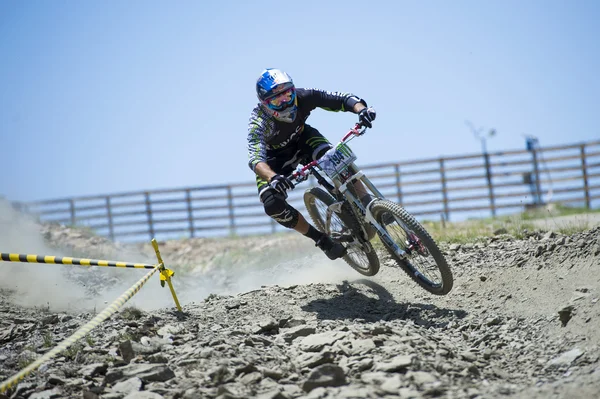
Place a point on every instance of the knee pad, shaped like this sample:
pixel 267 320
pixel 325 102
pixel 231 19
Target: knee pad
pixel 277 208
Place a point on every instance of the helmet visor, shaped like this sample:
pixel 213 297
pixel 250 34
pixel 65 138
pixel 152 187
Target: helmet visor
pixel 282 100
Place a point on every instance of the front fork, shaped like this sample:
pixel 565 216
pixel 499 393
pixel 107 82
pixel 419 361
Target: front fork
pixel 366 214
pixel 336 207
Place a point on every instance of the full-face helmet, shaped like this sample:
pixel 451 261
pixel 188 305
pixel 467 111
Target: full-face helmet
pixel 277 94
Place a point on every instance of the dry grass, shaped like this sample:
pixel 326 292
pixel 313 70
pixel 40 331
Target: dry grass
pixel 477 230
pixel 517 225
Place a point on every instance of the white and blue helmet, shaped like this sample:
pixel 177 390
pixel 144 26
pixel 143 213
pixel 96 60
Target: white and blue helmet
pixel 277 94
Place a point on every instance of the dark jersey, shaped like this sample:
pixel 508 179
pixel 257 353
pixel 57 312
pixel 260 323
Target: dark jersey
pixel 266 135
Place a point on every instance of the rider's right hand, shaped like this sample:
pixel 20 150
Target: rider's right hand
pixel 281 184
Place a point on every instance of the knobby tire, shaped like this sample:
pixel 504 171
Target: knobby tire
pixel 379 209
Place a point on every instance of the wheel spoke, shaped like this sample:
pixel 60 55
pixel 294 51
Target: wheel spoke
pixel 361 256
pixel 355 251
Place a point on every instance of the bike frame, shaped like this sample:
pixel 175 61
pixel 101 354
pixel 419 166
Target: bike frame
pixel 344 189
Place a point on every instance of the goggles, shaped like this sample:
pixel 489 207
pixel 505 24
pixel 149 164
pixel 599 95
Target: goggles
pixel 282 100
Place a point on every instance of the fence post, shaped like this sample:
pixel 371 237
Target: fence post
pixel 586 186
pixel 444 189
pixel 488 176
pixel 111 232
pixel 536 173
pixel 399 190
pixel 231 213
pixel 149 213
pixel 188 200
pixel 72 211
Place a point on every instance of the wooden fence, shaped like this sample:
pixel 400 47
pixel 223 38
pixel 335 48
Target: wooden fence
pixel 474 185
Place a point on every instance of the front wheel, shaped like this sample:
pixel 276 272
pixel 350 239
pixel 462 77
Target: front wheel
pixel 424 262
pixel 361 256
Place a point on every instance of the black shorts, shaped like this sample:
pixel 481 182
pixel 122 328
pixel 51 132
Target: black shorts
pixel 311 145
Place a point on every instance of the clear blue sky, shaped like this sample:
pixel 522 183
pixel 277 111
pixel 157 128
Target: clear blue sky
pixel 99 97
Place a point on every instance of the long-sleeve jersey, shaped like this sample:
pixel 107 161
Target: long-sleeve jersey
pixel 268 135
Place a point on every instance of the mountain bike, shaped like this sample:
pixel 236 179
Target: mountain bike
pixel 336 209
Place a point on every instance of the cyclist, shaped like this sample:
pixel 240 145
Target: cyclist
pixel 279 139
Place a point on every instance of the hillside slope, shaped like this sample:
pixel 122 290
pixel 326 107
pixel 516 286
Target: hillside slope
pixel 271 317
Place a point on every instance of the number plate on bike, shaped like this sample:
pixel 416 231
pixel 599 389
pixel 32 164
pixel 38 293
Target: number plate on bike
pixel 336 160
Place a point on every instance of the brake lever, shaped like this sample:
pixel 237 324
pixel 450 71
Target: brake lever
pixel 360 129
pixel 298 175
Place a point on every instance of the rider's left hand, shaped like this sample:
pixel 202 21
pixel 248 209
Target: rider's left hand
pixel 367 116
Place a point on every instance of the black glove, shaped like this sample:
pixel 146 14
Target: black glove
pixel 281 184
pixel 367 116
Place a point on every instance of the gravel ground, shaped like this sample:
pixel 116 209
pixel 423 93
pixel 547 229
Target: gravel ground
pixel 271 317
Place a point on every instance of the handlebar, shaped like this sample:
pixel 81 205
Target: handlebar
pixel 358 130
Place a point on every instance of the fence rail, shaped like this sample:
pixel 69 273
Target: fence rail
pixel 472 185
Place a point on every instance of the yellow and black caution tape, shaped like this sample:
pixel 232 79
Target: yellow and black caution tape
pixel 165 275
pixel 105 314
pixel 7 257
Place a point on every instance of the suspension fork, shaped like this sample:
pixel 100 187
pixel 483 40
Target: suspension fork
pixel 336 206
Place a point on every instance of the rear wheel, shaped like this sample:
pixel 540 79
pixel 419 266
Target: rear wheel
pixel 361 256
pixel 424 261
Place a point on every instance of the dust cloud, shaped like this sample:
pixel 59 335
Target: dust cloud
pixel 31 284
pixel 276 266
pixel 74 288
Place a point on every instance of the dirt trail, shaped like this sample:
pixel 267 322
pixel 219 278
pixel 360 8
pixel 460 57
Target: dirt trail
pixel 269 317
